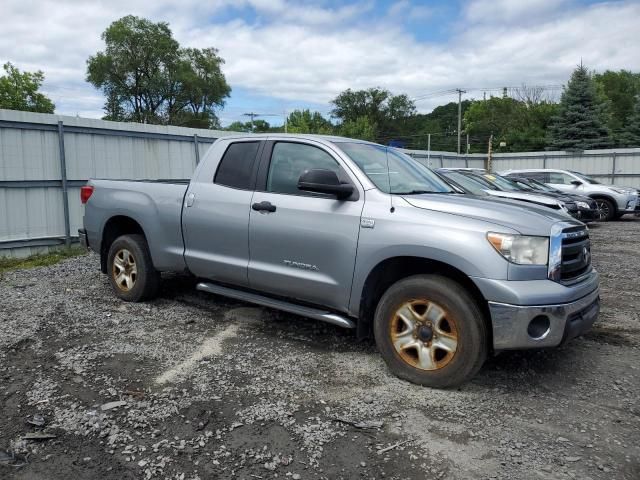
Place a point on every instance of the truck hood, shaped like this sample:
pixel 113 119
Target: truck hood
pixel 528 219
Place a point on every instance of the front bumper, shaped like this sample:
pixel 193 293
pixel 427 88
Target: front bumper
pixel 537 326
pixel 628 204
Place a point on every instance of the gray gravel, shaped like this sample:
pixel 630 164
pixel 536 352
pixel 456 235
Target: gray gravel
pixel 195 386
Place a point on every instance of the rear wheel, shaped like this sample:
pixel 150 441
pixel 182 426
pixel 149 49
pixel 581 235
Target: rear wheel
pixel 430 331
pixel 606 210
pixel 130 269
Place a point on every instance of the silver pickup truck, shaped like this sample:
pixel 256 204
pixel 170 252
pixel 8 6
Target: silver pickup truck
pixel 358 235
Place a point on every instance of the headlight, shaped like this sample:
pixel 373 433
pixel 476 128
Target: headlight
pixel 521 249
pixel 583 205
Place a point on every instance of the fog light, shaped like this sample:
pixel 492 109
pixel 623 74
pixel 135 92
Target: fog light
pixel 539 327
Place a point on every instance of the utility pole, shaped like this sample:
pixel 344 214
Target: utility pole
pixel 286 119
pixel 489 152
pixel 429 150
pixel 467 144
pixel 460 92
pixel 252 116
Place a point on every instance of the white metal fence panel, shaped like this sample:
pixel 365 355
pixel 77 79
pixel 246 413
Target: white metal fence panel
pixel 39 200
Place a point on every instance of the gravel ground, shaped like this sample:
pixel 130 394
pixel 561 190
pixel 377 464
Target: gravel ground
pixel 195 386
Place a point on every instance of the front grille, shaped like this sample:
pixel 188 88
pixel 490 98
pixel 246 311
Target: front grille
pixel 576 253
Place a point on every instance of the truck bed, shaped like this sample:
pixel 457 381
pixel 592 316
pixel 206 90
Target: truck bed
pixel 156 205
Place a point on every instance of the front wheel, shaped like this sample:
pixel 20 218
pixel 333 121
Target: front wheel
pixel 131 272
pixel 606 209
pixel 430 331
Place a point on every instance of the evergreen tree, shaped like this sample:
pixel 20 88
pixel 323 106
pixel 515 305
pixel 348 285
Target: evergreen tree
pixel 579 125
pixel 630 136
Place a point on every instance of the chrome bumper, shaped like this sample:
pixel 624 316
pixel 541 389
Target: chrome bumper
pixel 521 327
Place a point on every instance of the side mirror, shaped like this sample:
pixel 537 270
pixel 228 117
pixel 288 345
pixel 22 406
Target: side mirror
pixel 576 183
pixel 324 181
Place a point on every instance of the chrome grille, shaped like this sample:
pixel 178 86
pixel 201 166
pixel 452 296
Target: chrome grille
pixel 576 253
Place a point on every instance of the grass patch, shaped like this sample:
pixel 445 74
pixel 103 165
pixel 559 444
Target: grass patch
pixel 40 260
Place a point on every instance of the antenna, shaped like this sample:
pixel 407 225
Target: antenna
pixel 392 209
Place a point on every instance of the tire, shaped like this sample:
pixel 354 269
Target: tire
pixel 606 209
pixel 460 329
pixel 130 269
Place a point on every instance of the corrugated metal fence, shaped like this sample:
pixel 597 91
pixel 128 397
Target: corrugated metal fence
pixel 45 159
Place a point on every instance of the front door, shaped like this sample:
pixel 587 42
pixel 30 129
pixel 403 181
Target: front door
pixel 302 245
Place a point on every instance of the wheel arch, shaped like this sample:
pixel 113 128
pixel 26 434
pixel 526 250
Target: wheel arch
pixel 605 196
pixel 390 270
pixel 115 227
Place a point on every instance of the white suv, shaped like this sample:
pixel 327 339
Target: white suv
pixel 613 201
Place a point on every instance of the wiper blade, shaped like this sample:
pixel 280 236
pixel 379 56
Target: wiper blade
pixel 418 192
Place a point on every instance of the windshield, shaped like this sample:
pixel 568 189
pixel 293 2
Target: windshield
pixel 393 171
pixel 502 183
pixel 541 186
pixel 585 178
pixel 463 181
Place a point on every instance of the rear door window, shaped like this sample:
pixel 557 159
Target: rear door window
pixel 236 168
pixel 560 178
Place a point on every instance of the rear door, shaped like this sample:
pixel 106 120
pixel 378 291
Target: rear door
pixel 216 214
pixel 304 245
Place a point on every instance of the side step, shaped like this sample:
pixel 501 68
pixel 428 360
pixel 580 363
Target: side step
pixel 285 306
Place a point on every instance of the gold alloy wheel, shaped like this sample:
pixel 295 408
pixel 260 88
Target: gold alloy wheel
pixel 424 334
pixel 125 271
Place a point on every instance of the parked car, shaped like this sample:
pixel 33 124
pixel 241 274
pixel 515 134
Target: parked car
pixel 497 187
pixel 358 235
pixel 586 207
pixel 613 201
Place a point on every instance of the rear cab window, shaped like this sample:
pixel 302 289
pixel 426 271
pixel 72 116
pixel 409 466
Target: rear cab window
pixel 237 166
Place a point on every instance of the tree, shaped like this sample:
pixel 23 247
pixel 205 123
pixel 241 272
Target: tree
pixel 384 112
pixel 304 121
pixel 521 125
pixel 361 128
pixel 579 125
pixel 619 90
pixel 258 126
pixel 146 77
pixel 630 136
pixel 19 91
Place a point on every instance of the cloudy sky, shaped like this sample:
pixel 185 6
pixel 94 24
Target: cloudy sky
pixel 283 54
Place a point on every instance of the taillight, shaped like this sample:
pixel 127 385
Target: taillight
pixel 85 193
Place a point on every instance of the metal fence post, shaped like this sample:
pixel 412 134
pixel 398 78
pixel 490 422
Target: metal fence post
pixel 195 142
pixel 65 190
pixel 544 161
pixel 613 169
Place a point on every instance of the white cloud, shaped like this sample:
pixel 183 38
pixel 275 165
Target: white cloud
pixel 309 53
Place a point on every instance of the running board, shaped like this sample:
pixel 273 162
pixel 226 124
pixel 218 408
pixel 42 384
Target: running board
pixel 283 305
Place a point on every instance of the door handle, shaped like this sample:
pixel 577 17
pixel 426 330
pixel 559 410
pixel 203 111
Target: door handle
pixel 264 207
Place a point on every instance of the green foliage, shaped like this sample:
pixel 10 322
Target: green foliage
pixel 259 126
pixel 521 125
pixel 441 123
pixel 375 109
pixel 361 128
pixel 41 260
pixel 146 77
pixel 19 91
pixel 619 90
pixel 305 121
pixel 630 134
pixel 579 124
